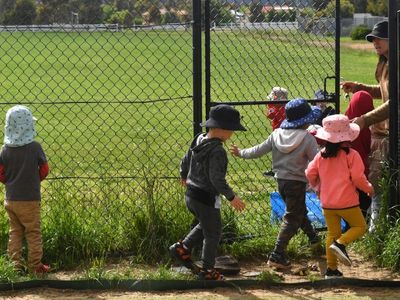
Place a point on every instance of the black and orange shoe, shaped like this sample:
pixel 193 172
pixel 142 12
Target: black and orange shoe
pixel 41 269
pixel 183 256
pixel 210 275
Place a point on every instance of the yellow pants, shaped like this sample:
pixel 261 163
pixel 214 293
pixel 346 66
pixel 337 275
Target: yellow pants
pixel 356 220
pixel 24 217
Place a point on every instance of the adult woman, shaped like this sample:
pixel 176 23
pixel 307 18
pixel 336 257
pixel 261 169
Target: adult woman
pixel 379 130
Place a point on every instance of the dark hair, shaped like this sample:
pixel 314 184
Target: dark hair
pixel 332 149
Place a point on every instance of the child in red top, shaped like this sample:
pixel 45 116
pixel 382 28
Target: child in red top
pixel 360 104
pixel 276 112
pixel 336 172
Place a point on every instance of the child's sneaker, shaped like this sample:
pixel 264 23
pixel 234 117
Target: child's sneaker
pixel 340 251
pixel 278 261
pixel 181 254
pixel 210 275
pixel 333 274
pixel 41 269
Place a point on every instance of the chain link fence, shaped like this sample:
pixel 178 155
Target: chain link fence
pixel 115 111
pixel 292 45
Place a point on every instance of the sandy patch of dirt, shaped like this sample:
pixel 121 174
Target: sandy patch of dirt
pixel 310 269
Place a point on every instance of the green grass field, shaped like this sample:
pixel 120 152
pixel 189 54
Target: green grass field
pixel 118 156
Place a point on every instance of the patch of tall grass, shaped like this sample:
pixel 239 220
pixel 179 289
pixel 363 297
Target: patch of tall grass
pixel 382 245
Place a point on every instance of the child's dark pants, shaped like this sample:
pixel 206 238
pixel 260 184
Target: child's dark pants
pixel 293 193
pixel 207 231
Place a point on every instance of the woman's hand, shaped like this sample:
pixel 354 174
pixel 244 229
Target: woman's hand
pixel 359 121
pixel 349 86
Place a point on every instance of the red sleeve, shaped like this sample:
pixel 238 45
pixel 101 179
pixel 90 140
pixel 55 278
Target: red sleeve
pixel 43 171
pixel 2 174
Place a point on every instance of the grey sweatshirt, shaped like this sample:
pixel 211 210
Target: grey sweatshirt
pixel 292 149
pixel 204 167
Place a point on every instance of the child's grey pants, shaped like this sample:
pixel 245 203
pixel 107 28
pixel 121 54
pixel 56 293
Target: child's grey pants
pixel 293 192
pixel 208 231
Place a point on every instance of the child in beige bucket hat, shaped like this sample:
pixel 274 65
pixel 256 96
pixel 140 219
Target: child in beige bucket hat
pixel 335 173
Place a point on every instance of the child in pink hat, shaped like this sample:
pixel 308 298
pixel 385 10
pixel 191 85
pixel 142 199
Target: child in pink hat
pixel 336 173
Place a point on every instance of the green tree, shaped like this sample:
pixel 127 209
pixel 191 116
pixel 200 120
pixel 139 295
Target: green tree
pixel 90 12
pixel 169 17
pixel 220 14
pixel 280 16
pixel 43 14
pixel 24 12
pixel 346 9
pixel 20 12
pixel 360 6
pixel 256 14
pixel 123 17
pixel 142 6
pixel 154 16
pixel 53 11
pixel 378 7
pixel 6 10
pixel 108 10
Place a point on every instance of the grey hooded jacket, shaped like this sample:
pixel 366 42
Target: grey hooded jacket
pixel 292 150
pixel 204 167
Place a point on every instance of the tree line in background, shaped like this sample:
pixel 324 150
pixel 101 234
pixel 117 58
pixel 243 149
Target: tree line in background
pixel 130 12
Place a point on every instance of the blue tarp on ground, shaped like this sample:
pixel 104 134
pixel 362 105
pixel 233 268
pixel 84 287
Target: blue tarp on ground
pixel 313 206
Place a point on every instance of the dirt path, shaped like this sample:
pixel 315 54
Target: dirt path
pixel 216 294
pixel 310 270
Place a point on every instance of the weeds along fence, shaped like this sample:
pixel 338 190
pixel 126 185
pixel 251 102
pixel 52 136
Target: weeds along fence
pixel 116 114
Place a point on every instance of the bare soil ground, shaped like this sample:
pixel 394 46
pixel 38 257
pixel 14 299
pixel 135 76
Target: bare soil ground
pixel 301 271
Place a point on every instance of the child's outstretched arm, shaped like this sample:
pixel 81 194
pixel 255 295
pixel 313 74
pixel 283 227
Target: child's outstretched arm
pixel 253 152
pixel 234 150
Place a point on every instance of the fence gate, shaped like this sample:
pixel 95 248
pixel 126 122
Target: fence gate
pixel 251 47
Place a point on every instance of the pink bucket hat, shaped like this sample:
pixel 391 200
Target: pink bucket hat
pixel 337 129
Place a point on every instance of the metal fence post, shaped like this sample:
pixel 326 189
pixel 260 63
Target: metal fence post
pixel 394 109
pixel 207 59
pixel 337 56
pixel 197 78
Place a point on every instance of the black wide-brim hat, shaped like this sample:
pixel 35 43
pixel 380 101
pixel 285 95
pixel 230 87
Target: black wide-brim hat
pixel 225 117
pixel 379 31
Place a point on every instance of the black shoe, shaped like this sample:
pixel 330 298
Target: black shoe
pixel 278 260
pixel 340 251
pixel 210 275
pixel 182 255
pixel 333 274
